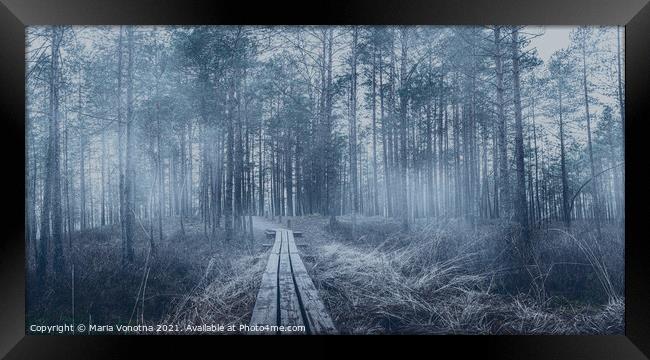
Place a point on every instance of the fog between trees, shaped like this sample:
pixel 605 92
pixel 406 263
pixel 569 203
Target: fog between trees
pixel 138 126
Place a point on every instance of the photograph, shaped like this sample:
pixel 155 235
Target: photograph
pixel 324 179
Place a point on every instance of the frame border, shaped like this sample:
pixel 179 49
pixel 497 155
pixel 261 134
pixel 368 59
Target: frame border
pixel 634 14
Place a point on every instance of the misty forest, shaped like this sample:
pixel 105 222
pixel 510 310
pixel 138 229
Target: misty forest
pixel 446 180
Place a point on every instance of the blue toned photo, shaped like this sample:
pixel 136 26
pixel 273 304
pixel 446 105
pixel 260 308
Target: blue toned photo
pixel 325 180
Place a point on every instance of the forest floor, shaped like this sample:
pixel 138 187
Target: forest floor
pixel 444 277
pixel 437 278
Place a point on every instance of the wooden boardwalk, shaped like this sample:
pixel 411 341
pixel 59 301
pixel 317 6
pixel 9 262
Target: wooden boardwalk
pixel 287 295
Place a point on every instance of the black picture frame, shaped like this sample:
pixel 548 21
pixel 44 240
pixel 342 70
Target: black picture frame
pixel 16 14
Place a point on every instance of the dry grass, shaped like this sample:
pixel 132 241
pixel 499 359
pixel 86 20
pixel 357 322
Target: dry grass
pixel 439 279
pixel 182 272
pixel 226 294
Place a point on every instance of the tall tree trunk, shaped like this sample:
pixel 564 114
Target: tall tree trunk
pixel 440 159
pixel 595 181
pixel 330 167
pixel 621 106
pixel 504 173
pixel 31 198
pixel 375 190
pixel 190 170
pixel 495 168
pixel 230 147
pixel 260 173
pixel 566 215
pixel 619 72
pixel 385 145
pixel 103 191
pixel 537 201
pixel 82 180
pixel 403 126
pixel 457 147
pixel 120 137
pixel 129 181
pixel 51 220
pixel 429 163
pixel 49 226
pixel 521 207
pixel 161 202
pixel 238 168
pixel 353 132
pixel 288 171
pixel 57 217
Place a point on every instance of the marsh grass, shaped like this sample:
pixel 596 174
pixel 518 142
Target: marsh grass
pixel 439 277
pixel 150 290
pixel 445 277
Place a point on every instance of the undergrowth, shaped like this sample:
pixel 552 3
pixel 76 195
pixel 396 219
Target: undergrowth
pixel 439 277
pixel 447 278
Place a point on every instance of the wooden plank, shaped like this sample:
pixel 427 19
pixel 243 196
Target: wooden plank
pixel 287 295
pixel 277 243
pixel 290 313
pixel 315 313
pixel 266 305
pixel 283 244
pixel 291 243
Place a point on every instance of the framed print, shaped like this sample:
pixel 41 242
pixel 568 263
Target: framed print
pixel 429 169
